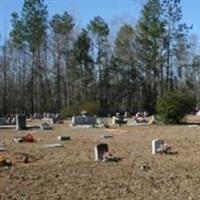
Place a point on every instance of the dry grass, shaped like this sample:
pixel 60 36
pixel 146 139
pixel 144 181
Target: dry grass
pixel 71 173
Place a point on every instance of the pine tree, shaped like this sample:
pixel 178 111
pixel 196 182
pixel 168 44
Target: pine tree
pixel 126 74
pixel 100 30
pixel 62 26
pixel 150 41
pixel 175 31
pixel 31 29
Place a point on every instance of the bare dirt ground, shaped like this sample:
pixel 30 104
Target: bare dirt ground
pixel 71 173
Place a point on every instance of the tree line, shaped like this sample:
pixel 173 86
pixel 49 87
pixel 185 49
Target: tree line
pixel 51 66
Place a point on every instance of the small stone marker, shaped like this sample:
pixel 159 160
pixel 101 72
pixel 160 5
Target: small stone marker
pixel 192 126
pixel 18 139
pixel 106 136
pixel 53 145
pixel 2 149
pixel 45 126
pixel 100 150
pixel 156 144
pixel 20 122
pixel 64 138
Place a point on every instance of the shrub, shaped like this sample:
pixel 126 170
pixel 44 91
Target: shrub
pixel 173 106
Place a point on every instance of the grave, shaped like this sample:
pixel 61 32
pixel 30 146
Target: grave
pixel 100 150
pixel 20 122
pixel 13 120
pixel 63 138
pixel 106 136
pixel 57 145
pixel 119 119
pixel 45 126
pixel 156 145
pixel 9 120
pixel 83 120
pixel 2 149
pixel 2 121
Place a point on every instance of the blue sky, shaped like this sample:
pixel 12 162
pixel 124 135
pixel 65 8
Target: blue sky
pixel 113 11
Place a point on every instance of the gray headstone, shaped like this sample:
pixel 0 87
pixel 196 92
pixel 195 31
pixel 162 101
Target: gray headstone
pixel 2 121
pixel 100 150
pixel 83 120
pixel 45 126
pixel 156 144
pixel 20 122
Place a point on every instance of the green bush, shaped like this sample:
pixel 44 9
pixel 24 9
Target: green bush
pixel 173 106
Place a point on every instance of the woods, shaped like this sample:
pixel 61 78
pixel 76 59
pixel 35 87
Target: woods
pixel 50 65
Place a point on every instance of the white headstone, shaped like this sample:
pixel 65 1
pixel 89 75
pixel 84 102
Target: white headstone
pixel 100 150
pixel 113 120
pixel 156 144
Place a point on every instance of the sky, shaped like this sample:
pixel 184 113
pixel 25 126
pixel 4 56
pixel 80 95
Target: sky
pixel 113 11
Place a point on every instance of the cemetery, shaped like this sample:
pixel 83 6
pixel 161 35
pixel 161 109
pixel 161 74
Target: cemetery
pixel 127 162
pixel 99 100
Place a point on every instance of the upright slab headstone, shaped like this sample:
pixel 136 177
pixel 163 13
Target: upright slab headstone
pixel 13 120
pixel 100 150
pixel 156 144
pixel 52 121
pixel 45 126
pixel 34 115
pixel 119 119
pixel 83 120
pixel 20 122
pixel 2 121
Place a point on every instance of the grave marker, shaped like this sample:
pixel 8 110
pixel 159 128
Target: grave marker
pixel 64 138
pixel 83 120
pixel 100 150
pixel 20 122
pixel 45 126
pixel 156 144
pixel 106 136
pixel 2 121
